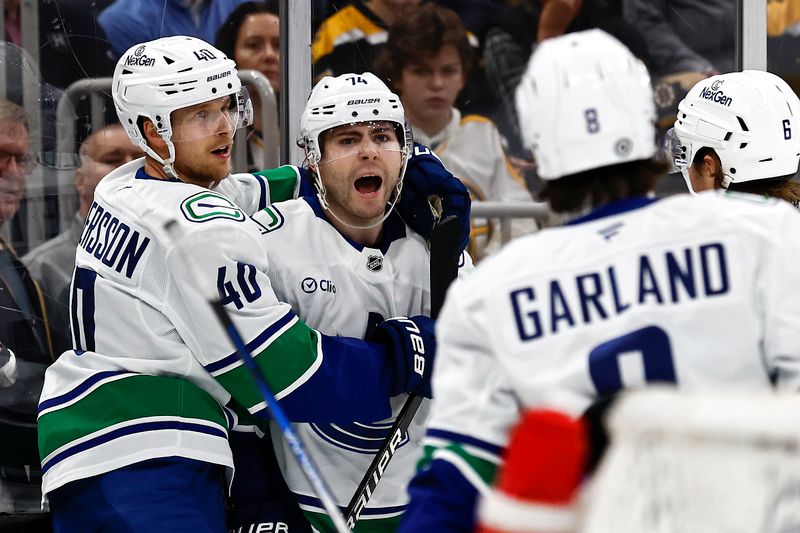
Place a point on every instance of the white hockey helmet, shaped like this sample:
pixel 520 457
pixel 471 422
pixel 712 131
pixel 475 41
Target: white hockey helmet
pixel 153 79
pixel 584 102
pixel 748 118
pixel 351 99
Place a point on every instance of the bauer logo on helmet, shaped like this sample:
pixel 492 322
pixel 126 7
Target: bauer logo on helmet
pixel 219 75
pixel 364 101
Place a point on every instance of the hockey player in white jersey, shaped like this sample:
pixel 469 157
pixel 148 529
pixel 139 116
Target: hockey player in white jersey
pixel 345 260
pixel 739 132
pixel 133 422
pixel 700 292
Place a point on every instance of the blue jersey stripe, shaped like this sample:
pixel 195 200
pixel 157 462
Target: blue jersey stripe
pixel 129 430
pixel 464 439
pixel 255 343
pixel 80 389
pixel 262 201
pixel 302 499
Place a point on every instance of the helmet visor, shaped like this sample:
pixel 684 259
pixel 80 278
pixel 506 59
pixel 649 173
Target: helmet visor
pixel 357 138
pixel 212 118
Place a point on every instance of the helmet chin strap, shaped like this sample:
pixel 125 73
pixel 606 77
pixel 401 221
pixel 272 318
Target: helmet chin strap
pixel 322 194
pixel 167 164
pixel 688 180
pixel 726 181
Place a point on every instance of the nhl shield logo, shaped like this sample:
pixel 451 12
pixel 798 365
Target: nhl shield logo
pixel 374 263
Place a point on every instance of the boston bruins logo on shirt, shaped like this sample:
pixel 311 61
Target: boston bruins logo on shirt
pixel 374 263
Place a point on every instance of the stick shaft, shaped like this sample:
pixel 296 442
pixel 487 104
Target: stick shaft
pixel 445 255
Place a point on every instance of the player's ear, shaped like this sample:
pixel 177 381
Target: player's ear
pixel 154 140
pixel 711 166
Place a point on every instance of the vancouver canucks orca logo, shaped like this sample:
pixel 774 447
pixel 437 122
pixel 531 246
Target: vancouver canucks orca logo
pixel 268 219
pixel 206 205
pixel 357 437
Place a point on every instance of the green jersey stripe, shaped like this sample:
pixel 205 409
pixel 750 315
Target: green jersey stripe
pixel 286 362
pixel 484 469
pixel 283 183
pixel 111 403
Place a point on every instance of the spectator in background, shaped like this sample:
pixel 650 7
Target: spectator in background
pixel 127 22
pixel 687 41
pixel 23 326
pixel 72 45
pixel 426 59
pixel 783 16
pixel 351 38
pixel 686 35
pixel 24 331
pixel 11 22
pixel 251 37
pixel 475 14
pixel 52 262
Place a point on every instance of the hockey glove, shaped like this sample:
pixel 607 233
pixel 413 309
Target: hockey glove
pixel 425 177
pixel 412 345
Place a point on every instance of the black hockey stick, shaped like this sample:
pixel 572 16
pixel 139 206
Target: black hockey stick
pixel 445 254
pixel 309 468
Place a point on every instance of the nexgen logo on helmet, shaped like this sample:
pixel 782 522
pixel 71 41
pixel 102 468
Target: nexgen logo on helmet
pixel 710 93
pixel 140 60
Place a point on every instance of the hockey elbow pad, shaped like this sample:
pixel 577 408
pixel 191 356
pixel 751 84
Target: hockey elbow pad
pixel 412 346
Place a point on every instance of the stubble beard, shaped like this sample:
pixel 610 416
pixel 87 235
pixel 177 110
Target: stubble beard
pixel 202 174
pixel 350 206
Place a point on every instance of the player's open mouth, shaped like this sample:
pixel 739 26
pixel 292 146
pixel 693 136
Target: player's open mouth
pixel 368 185
pixel 223 151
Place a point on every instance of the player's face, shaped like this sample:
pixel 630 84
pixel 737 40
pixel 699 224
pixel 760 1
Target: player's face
pixel 103 151
pixel 15 163
pixel 360 168
pixel 258 47
pixel 430 85
pixel 203 139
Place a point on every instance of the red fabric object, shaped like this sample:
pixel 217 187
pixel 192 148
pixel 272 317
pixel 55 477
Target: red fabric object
pixel 545 458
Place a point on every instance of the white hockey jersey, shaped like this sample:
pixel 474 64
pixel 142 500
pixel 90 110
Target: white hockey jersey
pixel 470 147
pixel 698 292
pixel 152 374
pixel 343 288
